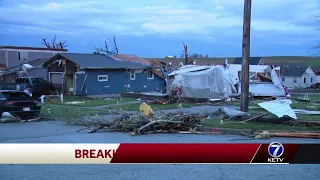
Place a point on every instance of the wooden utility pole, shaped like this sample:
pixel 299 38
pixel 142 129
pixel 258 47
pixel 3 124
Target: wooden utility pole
pixel 245 57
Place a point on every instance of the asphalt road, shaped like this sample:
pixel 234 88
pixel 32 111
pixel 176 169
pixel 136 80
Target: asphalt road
pixel 55 132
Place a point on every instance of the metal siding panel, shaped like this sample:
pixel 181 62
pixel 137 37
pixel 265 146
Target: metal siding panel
pixel 38 72
pixel 37 55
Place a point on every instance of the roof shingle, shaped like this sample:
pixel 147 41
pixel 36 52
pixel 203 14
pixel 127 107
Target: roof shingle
pixel 293 70
pixel 252 60
pixel 96 61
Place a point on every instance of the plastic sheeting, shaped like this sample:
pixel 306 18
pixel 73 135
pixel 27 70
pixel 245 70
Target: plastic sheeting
pixel 215 82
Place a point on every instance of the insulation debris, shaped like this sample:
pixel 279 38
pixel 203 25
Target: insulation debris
pixel 146 109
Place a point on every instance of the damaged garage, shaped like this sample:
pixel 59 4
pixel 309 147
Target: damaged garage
pixel 97 74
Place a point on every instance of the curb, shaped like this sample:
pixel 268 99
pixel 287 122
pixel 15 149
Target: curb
pixel 230 131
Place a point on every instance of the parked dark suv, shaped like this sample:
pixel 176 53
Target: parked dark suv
pixel 19 104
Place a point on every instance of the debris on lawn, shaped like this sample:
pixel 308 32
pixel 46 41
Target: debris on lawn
pixel 302 111
pixel 280 108
pixel 268 135
pixel 75 102
pixel 147 123
pixel 262 135
pixel 146 109
pixel 226 113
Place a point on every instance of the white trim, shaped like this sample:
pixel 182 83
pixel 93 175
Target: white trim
pixel 152 74
pixel 103 76
pixel 7 60
pixel 134 73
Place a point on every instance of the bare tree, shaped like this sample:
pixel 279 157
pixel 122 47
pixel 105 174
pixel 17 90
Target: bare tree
pixel 54 43
pixel 107 50
pixel 185 50
pixel 317 47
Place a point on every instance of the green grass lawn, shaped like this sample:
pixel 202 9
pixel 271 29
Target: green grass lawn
pixel 156 107
pixel 87 102
pixel 254 125
pixel 69 113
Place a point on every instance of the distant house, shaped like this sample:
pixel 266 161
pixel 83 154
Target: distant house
pixel 252 61
pixel 95 74
pixel 170 57
pixel 297 76
pixel 34 69
pixel 12 56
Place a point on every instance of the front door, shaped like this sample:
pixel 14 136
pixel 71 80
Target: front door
pixel 69 83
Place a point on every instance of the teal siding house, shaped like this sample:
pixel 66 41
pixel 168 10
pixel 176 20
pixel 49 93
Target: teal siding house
pixel 96 74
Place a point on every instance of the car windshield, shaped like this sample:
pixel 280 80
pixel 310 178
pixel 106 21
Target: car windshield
pixel 15 95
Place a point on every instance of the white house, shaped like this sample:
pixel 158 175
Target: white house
pixel 316 70
pixel 296 76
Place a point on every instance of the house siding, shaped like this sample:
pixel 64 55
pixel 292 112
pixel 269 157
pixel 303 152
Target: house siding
pixel 118 81
pixel 3 57
pixel 32 55
pixel 318 79
pixel 13 59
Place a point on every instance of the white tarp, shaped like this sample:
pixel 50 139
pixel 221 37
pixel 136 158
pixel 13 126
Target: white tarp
pixel 215 82
pixel 280 108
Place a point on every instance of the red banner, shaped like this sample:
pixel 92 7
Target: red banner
pixel 205 153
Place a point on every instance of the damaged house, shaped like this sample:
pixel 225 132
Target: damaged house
pixel 96 74
pixel 220 81
pixel 32 68
pixel 202 82
pixel 264 79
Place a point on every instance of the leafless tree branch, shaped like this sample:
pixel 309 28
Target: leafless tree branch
pixel 107 50
pixel 55 44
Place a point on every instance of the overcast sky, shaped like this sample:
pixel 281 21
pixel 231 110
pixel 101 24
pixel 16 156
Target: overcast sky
pixel 156 28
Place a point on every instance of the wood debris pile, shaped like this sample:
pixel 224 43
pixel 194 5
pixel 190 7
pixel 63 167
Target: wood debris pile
pixel 137 124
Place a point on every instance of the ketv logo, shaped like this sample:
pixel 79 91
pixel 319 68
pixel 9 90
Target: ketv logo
pixel 275 150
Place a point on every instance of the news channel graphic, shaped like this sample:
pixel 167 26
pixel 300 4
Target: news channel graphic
pixel 278 153
pixel 151 153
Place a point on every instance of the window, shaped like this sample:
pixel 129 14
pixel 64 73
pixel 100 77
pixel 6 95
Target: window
pixel 150 74
pixel 102 77
pixel 37 80
pixel 294 80
pixel 304 80
pixel 283 79
pixel 22 56
pixel 311 80
pixel 132 75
